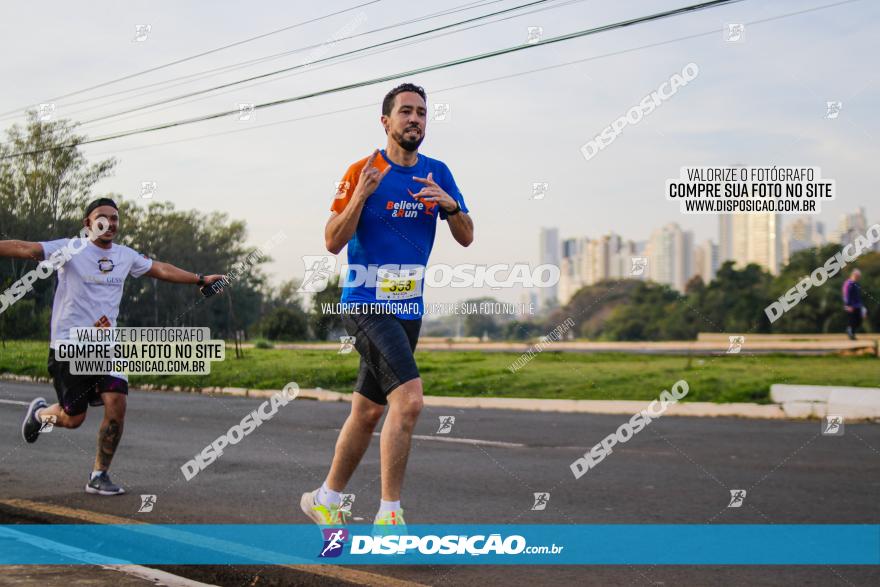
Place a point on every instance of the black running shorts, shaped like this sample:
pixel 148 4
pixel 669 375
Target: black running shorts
pixel 77 392
pixel 386 344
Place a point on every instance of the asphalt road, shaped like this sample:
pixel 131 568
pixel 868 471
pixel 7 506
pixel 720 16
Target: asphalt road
pixel 677 470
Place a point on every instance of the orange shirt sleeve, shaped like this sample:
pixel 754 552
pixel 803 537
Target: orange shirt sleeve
pixel 345 187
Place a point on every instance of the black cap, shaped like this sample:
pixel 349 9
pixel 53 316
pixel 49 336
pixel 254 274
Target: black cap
pixel 97 204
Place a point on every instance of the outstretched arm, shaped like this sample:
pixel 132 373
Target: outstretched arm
pixel 21 250
pixel 168 272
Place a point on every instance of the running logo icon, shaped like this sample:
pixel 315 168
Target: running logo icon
pixel 246 111
pixel 342 188
pixel 736 344
pixel 141 32
pixel 735 33
pixel 346 500
pixel 45 112
pixel 832 426
pixel 441 112
pixel 148 189
pixel 319 268
pixel 346 344
pixel 48 424
pixel 639 265
pixel 446 423
pixel 334 540
pixel 534 34
pixel 539 189
pixel 832 109
pixel 541 501
pixel 147 503
pixel 737 497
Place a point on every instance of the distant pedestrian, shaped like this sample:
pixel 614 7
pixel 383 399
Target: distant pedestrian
pixel 852 303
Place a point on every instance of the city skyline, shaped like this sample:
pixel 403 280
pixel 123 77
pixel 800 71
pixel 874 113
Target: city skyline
pixel 672 256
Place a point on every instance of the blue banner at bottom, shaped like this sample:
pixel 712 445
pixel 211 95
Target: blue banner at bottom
pixel 524 544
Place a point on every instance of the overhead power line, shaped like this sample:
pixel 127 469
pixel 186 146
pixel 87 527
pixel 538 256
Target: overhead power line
pixel 197 55
pixel 204 74
pixel 307 64
pixel 349 59
pixel 372 104
pixel 382 79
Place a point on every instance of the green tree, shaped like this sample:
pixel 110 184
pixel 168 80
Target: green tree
pixel 522 330
pixel 285 324
pixel 645 316
pixel 590 307
pixel 283 315
pixel 735 300
pixel 325 322
pixel 45 182
pixel 199 242
pixel 479 324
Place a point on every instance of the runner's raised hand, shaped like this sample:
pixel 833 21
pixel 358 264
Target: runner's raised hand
pixel 432 192
pixel 370 178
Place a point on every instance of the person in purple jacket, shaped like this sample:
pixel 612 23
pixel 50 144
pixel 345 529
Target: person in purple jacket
pixel 852 303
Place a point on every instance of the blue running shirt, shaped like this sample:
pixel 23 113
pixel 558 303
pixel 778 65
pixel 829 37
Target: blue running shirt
pixel 395 230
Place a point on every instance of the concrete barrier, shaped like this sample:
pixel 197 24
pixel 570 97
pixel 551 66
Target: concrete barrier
pixel 804 401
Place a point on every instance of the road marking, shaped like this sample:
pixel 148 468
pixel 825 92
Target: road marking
pixel 471 441
pixel 339 573
pixel 14 402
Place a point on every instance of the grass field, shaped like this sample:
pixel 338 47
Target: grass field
pixel 726 378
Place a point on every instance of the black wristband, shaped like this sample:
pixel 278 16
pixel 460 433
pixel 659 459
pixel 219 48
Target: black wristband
pixel 201 281
pixel 456 211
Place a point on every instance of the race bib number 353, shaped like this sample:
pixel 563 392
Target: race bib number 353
pixel 398 285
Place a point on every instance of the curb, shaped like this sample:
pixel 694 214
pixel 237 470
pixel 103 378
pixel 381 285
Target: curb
pixel 792 401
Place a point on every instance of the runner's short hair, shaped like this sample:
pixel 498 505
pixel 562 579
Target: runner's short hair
pixel 388 102
pixel 97 204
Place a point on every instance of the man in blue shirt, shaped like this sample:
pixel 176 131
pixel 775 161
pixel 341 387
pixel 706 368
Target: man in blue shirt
pixel 386 211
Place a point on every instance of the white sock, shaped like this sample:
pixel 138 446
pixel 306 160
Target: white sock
pixel 388 506
pixel 327 497
pixel 37 414
pixel 94 475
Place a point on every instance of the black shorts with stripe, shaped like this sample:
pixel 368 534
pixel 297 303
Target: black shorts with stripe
pixel 77 392
pixel 387 345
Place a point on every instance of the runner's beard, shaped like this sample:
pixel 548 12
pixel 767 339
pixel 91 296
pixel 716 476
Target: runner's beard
pixel 106 239
pixel 406 144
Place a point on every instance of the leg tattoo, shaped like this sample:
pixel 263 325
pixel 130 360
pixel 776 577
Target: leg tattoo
pixel 108 440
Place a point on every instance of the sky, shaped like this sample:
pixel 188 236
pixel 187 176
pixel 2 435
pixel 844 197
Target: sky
pixel 760 102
